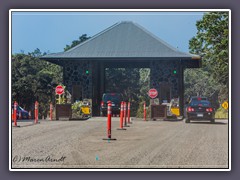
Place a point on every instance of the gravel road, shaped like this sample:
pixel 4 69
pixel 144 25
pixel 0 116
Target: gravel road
pixel 151 144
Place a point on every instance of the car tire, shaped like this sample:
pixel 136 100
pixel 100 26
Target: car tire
pixel 187 120
pixel 212 121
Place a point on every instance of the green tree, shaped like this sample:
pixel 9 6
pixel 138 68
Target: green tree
pixel 199 83
pixel 212 43
pixel 144 83
pixel 33 79
pixel 81 39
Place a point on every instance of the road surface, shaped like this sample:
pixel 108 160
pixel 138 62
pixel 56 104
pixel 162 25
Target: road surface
pixel 151 144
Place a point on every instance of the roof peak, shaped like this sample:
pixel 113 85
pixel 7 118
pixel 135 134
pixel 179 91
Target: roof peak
pixel 126 22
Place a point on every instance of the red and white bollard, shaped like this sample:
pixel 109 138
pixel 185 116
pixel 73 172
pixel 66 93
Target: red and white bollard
pixel 144 111
pixel 129 113
pixel 15 113
pixel 36 112
pixel 121 118
pixel 125 114
pixel 109 121
pixel 51 111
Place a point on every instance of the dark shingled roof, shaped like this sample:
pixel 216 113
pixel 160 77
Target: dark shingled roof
pixel 123 40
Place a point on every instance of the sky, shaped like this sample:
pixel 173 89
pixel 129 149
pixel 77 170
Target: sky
pixel 52 31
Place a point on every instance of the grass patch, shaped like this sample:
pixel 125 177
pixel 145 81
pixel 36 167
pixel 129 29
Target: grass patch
pixel 221 113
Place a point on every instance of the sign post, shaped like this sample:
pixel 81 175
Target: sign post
pixel 125 114
pixel 59 90
pixel 152 93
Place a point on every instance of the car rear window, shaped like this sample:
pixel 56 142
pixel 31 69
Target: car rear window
pixel 199 98
pixel 112 97
pixel 200 103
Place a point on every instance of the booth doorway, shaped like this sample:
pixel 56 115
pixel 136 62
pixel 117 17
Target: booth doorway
pixel 76 93
pixel 165 93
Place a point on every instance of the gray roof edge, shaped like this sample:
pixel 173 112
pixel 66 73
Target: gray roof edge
pixel 160 40
pixel 57 56
pixel 52 55
pixel 195 56
pixel 122 58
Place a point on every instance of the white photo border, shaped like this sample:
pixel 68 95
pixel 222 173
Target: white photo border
pixel 116 10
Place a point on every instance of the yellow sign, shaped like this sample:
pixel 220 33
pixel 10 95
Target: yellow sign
pixel 225 105
pixel 175 110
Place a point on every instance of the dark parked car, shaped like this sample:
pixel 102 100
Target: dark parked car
pixel 115 99
pixel 20 110
pixel 199 109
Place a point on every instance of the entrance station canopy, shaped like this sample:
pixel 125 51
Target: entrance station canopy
pixel 123 45
pixel 123 40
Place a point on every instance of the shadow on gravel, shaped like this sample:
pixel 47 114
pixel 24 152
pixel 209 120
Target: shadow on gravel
pixel 26 123
pixel 25 120
pixel 78 119
pixel 216 123
pixel 173 120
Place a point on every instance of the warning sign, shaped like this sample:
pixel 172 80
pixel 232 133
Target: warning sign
pixel 225 105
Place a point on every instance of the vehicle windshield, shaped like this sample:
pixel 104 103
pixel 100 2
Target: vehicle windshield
pixel 200 103
pixel 112 97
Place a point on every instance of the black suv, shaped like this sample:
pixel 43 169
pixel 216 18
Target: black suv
pixel 115 99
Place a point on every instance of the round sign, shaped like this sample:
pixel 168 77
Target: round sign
pixel 59 90
pixel 152 93
pixel 225 105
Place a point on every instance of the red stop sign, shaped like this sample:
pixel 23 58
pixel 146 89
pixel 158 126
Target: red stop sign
pixel 152 93
pixel 59 90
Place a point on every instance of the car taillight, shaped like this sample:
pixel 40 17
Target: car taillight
pixel 102 103
pixel 190 109
pixel 209 109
